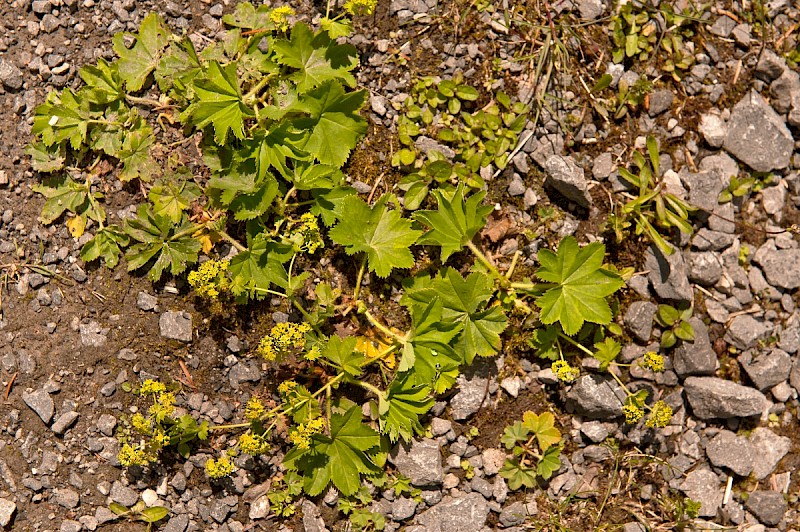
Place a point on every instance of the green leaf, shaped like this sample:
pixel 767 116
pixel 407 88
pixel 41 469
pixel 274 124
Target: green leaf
pixel 514 434
pixel 136 63
pixel 135 153
pixel 327 203
pixel 667 315
pixel 103 82
pixel 544 342
pixel 668 339
pixel 63 116
pixel 316 57
pixel 255 270
pixel 178 67
pixel 456 221
pixel 153 514
pixel 518 475
pixel 170 245
pixel 247 17
pixel 340 458
pixel 107 243
pixel 341 352
pixel 684 331
pixel 401 407
pixel 334 124
pixel 64 194
pixel 581 285
pixel 173 195
pixel 429 353
pixel 337 28
pixel 118 509
pixel 607 352
pixel 543 426
pixel 46 159
pixel 379 232
pixel 218 101
pixel 549 463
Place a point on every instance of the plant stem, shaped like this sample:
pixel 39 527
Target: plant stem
pixel 576 344
pixel 511 268
pixel 235 243
pixel 360 276
pixel 483 259
pixel 253 92
pixel 227 427
pixel 370 388
pixel 145 101
pixel 385 330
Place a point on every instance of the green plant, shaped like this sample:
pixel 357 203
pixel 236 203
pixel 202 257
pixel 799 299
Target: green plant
pixel 625 99
pixel 437 108
pixel 737 188
pixel 638 32
pixel 528 463
pixel 139 512
pixel 652 206
pixel 676 326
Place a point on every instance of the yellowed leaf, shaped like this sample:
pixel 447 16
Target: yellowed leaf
pixel 76 226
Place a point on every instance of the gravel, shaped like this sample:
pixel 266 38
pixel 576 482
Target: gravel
pixel 757 135
pixel 767 506
pixel 421 461
pixel 41 403
pixel 712 397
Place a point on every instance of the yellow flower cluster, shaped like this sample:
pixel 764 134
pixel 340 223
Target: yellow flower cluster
pixel 253 444
pixel 281 338
pixel 632 413
pixel 129 456
pixel 163 407
pixel 660 415
pixel 360 7
pixel 280 17
pixel 150 387
pixel 653 361
pixel 301 435
pixel 160 439
pixel 306 236
pixel 141 423
pixel 219 468
pixel 210 279
pixel 286 386
pixel 564 372
pixel 254 409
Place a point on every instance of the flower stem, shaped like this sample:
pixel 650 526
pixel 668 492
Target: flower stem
pixel 483 259
pixel 235 243
pixel 360 276
pixel 382 328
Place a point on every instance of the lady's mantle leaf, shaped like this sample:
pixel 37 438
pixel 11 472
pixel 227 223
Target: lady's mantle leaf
pixel 137 62
pixel 400 409
pixel 219 102
pixel 543 425
pixel 379 232
pixel 581 285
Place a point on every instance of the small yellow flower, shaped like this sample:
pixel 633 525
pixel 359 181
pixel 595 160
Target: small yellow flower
pixel 280 17
pixel 632 413
pixel 286 386
pixel 660 415
pixel 210 279
pixel 160 439
pixel 301 435
pixel 254 409
pixel 128 456
pixel 222 467
pixel 253 444
pixel 360 7
pixel 141 423
pixel 282 338
pixel 151 387
pixel 653 361
pixel 164 407
pixel 306 235
pixel 564 372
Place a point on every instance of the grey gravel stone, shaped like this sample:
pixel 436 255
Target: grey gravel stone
pixel 758 136
pixel 704 267
pixel 596 396
pixel 106 423
pixel 146 302
pixel 766 369
pixel 7 509
pixel 517 513
pixel 312 521
pixel 70 525
pixel 403 508
pixel 566 177
pixel 517 186
pixel 471 386
pixel 11 77
pixel 706 239
pixel 698 357
pixel 603 166
pixel 668 275
pixel 123 494
pixel 794 376
pixel 770 449
pixel 41 403
pixel 590 9
pixel 244 372
pixel 440 426
pixel 660 101
pixel 176 326
pixel 493 460
pixel 421 461
pixel 464 513
pixel 745 331
pixel 780 267
pixel 713 128
pixel 67 498
pixel 770 66
pixel 93 335
pixel 64 422
pixel 768 506
pixel 177 523
pixel 712 397
pixel 639 319
pixel 427 145
pixel 736 453
pixel 702 485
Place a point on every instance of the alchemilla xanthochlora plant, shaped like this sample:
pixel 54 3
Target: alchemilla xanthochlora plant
pixel 274 111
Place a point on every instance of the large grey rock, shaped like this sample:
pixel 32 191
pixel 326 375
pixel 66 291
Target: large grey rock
pixel 123 494
pixel 41 403
pixel 736 453
pixel 698 357
pixel 766 369
pixel 597 396
pixel 7 509
pixel 465 513
pixel 702 485
pixel 745 331
pixel 421 461
pixel 780 267
pixel 705 239
pixel 711 397
pixel 768 506
pixel 770 66
pixel 471 386
pixel 639 319
pixel 565 176
pixel 758 136
pixel 176 326
pixel 11 77
pixel 312 520
pixel 668 275
pixel 705 267
pixel 770 449
pixel 705 187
